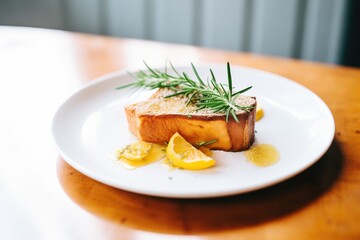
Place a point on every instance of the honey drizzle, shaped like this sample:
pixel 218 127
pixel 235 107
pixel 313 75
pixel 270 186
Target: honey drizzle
pixel 157 152
pixel 262 155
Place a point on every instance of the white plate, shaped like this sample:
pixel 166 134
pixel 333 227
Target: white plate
pixel 90 125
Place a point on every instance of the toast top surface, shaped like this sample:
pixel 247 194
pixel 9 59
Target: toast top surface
pixel 157 104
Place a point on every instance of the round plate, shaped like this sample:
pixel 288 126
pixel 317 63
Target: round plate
pixel 90 125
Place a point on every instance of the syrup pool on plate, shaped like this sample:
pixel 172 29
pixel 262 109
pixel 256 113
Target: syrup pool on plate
pixel 140 154
pixel 263 155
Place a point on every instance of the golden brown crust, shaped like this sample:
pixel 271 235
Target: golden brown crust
pixel 242 133
pixel 159 129
pixel 230 136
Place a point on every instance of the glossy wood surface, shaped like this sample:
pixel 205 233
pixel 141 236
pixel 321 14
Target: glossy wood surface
pixel 42 197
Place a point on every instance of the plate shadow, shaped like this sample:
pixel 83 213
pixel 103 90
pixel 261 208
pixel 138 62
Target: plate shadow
pixel 186 216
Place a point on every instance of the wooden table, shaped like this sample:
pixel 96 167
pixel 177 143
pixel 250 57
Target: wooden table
pixel 42 197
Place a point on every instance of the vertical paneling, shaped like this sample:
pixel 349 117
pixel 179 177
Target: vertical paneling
pixel 338 31
pixel 173 21
pixel 317 29
pixel 84 15
pixel 126 18
pixel 308 29
pixel 274 27
pixel 224 24
pixel 35 13
pixel 323 25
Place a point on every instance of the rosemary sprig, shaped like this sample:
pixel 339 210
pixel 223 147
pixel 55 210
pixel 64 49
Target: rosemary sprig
pixel 210 94
pixel 203 143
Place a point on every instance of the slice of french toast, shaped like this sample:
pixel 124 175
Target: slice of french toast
pixel 158 118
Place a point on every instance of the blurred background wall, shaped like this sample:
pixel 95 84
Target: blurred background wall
pixel 316 30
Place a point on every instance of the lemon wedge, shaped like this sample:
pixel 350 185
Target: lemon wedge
pixel 183 155
pixel 136 151
pixel 205 150
pixel 259 112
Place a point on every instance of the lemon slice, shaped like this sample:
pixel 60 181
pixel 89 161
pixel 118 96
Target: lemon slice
pixel 205 150
pixel 183 155
pixel 156 153
pixel 259 112
pixel 136 151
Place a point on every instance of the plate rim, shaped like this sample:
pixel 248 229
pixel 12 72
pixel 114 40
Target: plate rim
pixel 143 191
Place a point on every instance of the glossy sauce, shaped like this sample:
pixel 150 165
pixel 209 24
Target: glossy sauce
pixel 156 153
pixel 259 113
pixel 262 155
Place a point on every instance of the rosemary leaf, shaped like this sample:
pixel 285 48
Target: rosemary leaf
pixel 197 74
pixel 211 95
pixel 203 143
